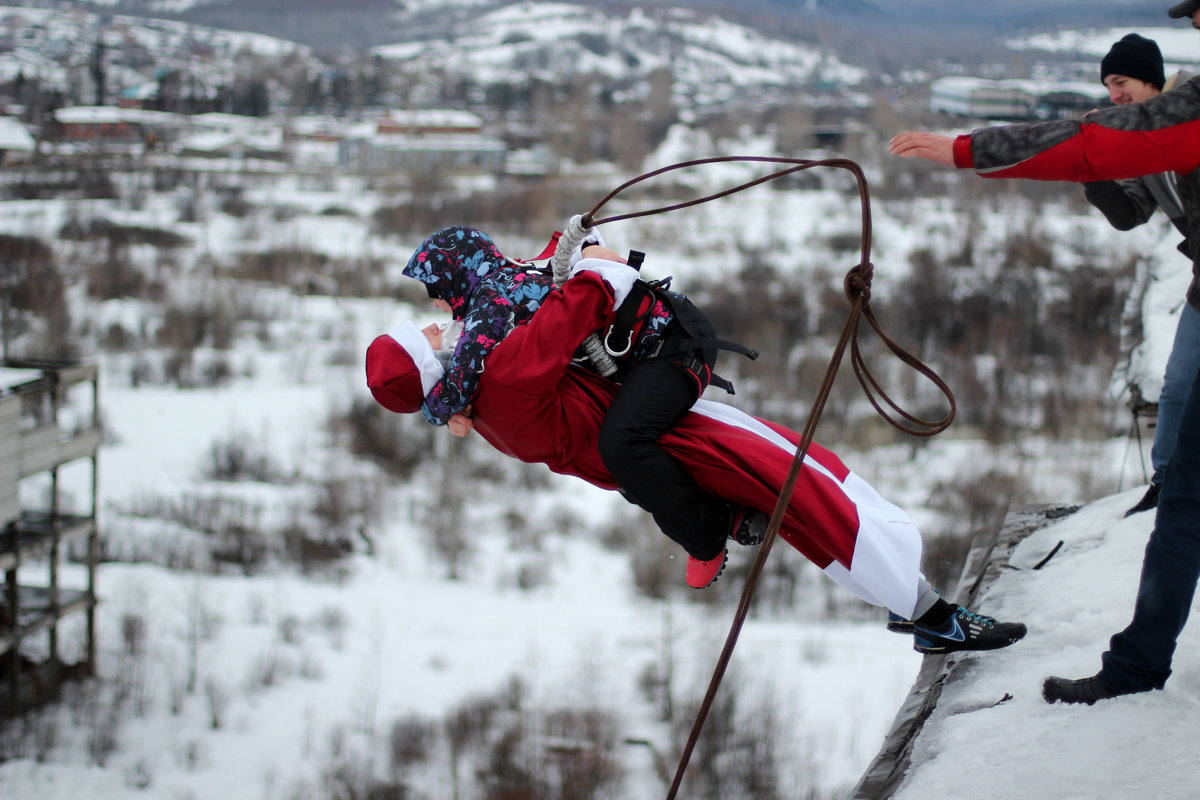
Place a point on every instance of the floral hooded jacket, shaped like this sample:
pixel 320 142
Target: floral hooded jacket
pixel 491 294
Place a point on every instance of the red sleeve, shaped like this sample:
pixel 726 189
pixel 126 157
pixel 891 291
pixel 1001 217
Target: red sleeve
pixel 962 152
pixel 535 355
pixel 1101 153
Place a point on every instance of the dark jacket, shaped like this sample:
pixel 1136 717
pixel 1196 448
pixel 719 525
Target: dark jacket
pixel 1131 202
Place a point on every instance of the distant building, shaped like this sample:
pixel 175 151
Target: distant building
pixel 1067 100
pixel 16 143
pixel 430 122
pixel 231 145
pixel 961 96
pixel 981 98
pixel 138 96
pixel 110 124
pixel 422 140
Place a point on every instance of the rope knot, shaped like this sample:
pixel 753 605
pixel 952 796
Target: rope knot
pixel 858 281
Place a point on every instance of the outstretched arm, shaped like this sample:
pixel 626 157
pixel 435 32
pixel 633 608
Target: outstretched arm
pixel 1158 135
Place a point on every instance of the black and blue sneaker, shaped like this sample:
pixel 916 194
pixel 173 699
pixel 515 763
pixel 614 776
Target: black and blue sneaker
pixel 899 624
pixel 966 630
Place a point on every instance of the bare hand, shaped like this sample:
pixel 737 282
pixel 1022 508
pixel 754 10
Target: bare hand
pixel 460 424
pixel 919 144
pixel 600 251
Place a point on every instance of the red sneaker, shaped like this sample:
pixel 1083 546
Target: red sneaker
pixel 702 574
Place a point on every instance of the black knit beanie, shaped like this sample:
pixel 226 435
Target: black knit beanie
pixel 1135 57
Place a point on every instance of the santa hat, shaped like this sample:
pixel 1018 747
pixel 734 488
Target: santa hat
pixel 402 368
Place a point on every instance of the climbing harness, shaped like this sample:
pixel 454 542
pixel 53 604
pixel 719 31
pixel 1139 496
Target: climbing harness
pixel 857 288
pixel 618 339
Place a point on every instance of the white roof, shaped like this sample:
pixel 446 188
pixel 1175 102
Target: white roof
pixel 219 119
pixel 111 115
pixel 12 377
pixel 210 142
pixel 435 118
pixel 14 135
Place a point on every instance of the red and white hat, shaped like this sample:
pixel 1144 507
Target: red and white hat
pixel 402 368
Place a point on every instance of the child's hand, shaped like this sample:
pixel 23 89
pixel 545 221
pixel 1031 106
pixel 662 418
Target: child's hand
pixel 460 424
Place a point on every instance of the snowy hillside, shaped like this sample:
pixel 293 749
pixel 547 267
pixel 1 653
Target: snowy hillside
pixel 709 58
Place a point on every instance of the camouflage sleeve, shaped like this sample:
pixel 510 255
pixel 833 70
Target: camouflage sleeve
pixel 487 322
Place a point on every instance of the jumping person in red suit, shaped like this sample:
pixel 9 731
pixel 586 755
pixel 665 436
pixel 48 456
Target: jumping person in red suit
pixel 535 405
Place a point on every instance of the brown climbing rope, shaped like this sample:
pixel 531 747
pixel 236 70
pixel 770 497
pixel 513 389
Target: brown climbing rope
pixel 857 287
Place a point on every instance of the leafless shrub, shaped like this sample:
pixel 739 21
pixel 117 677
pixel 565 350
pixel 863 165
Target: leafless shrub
pixel 511 768
pixel 101 717
pixel 943 560
pixel 232 201
pixel 346 505
pixel 582 753
pixel 133 633
pixel 445 513
pixel 411 740
pixel 217 697
pixel 268 669
pixel 176 692
pixel 280 266
pixel 399 443
pixel 735 757
pixel 467 727
pixel 332 620
pixel 310 667
pixel 185 328
pixel 138 775
pixel 240 457
pixel 231 523
pixel 34 734
pixel 532 574
pixel 658 563
pixel 289 629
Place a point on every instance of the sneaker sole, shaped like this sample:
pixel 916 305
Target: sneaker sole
pixel 922 645
pixel 743 537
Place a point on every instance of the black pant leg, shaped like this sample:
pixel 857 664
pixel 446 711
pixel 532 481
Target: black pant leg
pixel 651 398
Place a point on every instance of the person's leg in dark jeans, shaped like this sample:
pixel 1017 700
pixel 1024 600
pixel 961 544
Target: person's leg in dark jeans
pixel 652 397
pixel 1139 657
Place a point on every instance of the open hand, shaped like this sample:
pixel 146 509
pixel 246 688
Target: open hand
pixel 934 147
